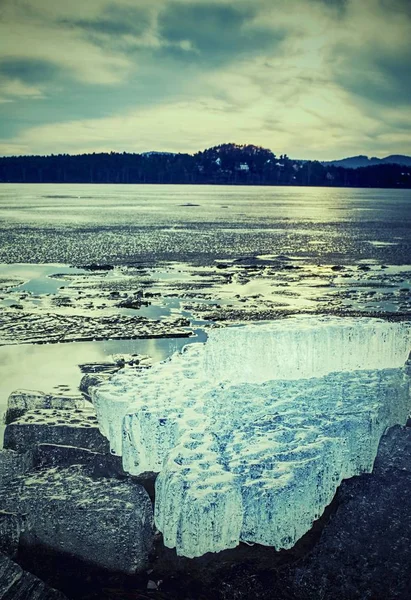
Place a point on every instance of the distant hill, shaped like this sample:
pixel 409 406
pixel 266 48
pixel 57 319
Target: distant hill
pixel 356 162
pixel 226 164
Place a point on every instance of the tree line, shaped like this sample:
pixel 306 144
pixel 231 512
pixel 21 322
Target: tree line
pixel 226 164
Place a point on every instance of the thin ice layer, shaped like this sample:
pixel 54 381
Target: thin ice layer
pixel 257 456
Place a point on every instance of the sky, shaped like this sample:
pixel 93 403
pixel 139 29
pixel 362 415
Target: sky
pixel 319 79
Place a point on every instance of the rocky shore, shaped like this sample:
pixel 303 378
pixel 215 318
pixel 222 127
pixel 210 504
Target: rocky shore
pixel 74 525
pixel 70 516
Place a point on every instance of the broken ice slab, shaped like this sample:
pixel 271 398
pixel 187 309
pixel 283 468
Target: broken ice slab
pixel 20 401
pixel 261 423
pixel 302 347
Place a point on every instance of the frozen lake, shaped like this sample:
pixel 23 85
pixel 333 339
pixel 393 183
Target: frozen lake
pixel 77 224
pixel 120 224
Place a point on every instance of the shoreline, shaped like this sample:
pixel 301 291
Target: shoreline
pixel 241 573
pixel 229 292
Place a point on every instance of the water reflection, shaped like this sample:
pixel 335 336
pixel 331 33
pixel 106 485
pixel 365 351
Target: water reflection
pixel 36 277
pixel 46 367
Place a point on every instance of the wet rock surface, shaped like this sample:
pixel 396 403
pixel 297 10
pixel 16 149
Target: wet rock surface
pixel 365 551
pixel 11 526
pixel 96 464
pixel 77 427
pixel 103 521
pixel 13 464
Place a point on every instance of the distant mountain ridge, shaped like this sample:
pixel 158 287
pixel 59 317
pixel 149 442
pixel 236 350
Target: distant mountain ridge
pixel 356 162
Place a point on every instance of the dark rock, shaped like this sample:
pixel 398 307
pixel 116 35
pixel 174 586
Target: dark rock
pixel 394 451
pixel 132 360
pixel 365 550
pixel 105 522
pixel 100 367
pixel 98 465
pixel 61 301
pixel 11 526
pixel 183 322
pixel 76 427
pixel 148 481
pixel 90 380
pixel 16 584
pixel 13 464
pixel 134 301
pixel 95 267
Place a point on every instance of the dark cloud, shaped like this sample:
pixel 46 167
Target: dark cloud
pixel 115 20
pixel 70 100
pixel 401 7
pixel 28 70
pixel 338 7
pixel 214 33
pixel 71 103
pixel 101 60
pixel 376 74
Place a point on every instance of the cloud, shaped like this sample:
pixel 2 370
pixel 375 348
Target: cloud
pixel 114 20
pixel 371 59
pixel 215 33
pixel 10 90
pixel 193 124
pixel 375 73
pixel 25 34
pixel 338 6
pixel 27 70
pixel 313 78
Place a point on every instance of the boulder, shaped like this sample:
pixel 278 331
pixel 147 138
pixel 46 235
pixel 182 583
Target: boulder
pixel 98 465
pixel 365 549
pixel 12 464
pixel 105 522
pixel 11 526
pixel 394 451
pixel 76 427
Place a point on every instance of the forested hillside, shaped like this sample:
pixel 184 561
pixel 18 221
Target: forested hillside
pixel 225 164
